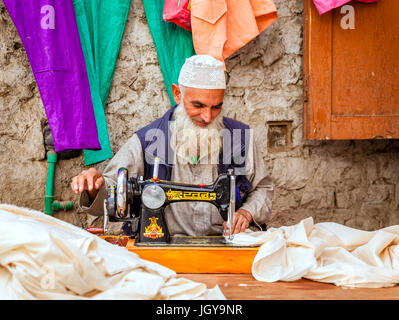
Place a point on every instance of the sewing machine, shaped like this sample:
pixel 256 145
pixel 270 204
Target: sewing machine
pixel 141 204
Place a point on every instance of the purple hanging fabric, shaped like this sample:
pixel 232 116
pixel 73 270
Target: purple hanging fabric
pixel 49 33
pixel 324 6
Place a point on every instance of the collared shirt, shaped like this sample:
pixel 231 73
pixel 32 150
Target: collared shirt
pixel 221 27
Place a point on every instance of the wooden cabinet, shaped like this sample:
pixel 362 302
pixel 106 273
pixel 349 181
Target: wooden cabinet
pixel 351 71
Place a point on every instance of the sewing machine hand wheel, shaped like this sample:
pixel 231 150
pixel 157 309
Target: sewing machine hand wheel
pixel 121 193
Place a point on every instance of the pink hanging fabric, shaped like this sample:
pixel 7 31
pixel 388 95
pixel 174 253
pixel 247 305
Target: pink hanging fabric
pixel 179 12
pixel 324 6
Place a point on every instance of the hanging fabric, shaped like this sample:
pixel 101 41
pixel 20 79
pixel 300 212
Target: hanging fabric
pixel 179 12
pixel 173 43
pixel 101 25
pixel 221 27
pixel 50 36
pixel 324 6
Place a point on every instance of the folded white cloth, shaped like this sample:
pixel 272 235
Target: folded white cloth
pixel 326 252
pixel 42 257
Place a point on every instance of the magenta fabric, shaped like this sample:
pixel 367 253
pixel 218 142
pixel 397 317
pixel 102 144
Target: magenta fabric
pixel 179 12
pixel 49 33
pixel 324 6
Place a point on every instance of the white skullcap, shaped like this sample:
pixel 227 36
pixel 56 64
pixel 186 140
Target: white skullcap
pixel 203 72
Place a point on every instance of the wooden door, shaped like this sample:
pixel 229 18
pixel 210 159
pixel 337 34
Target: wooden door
pixel 351 71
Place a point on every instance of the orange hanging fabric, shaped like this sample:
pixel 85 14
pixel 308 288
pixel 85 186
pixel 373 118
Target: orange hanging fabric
pixel 221 27
pixel 178 11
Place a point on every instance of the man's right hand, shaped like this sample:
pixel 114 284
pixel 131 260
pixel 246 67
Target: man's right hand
pixel 90 180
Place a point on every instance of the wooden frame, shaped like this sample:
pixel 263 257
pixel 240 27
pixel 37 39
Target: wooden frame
pixel 193 260
pixel 320 121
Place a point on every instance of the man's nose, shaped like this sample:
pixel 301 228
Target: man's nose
pixel 206 115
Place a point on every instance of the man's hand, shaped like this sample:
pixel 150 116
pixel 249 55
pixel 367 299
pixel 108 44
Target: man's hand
pixel 241 222
pixel 90 180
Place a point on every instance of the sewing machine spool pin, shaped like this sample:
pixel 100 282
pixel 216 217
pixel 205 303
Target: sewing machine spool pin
pixel 156 168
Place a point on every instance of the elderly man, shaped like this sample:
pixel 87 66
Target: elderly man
pixel 189 142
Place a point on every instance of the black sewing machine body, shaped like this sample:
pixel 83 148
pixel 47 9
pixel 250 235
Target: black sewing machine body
pixel 141 203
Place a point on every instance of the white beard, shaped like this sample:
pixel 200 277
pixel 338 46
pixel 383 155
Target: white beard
pixel 189 140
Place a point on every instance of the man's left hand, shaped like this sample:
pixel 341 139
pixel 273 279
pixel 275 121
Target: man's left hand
pixel 241 222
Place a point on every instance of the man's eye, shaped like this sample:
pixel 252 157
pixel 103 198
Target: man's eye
pixel 216 107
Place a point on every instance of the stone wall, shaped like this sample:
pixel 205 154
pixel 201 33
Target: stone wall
pixel 355 183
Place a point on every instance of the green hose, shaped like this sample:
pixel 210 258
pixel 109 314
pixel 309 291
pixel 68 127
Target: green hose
pixel 49 204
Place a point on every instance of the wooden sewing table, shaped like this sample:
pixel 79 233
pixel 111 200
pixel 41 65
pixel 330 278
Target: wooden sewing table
pixel 230 269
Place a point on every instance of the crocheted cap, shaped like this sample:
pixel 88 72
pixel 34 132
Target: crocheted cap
pixel 203 72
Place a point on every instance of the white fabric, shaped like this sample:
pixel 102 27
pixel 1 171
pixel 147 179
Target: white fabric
pixel 42 257
pixel 326 252
pixel 203 72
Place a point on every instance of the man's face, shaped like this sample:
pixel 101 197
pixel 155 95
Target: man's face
pixel 202 105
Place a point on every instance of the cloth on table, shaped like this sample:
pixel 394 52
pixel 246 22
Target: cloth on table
pixel 101 25
pixel 42 257
pixel 324 6
pixel 49 33
pixel 326 252
pixel 221 27
pixel 173 43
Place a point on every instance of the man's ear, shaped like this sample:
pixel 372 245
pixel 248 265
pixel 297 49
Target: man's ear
pixel 176 93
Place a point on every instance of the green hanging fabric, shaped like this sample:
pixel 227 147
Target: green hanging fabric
pixel 101 25
pixel 173 43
